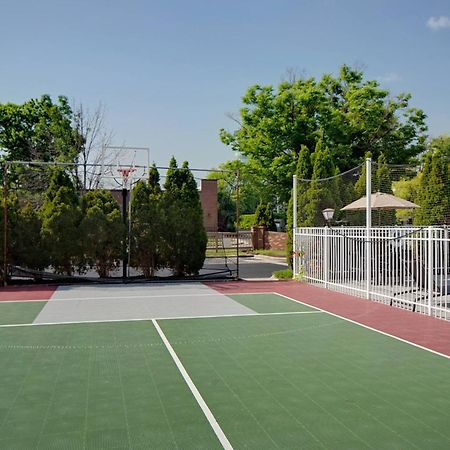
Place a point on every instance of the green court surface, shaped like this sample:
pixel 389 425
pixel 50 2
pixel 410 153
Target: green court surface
pixel 19 312
pixel 95 386
pixel 288 381
pixel 270 303
pixel 314 381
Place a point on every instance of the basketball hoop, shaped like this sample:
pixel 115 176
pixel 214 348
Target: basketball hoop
pixel 125 172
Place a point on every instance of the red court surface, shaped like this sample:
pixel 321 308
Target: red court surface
pixel 425 331
pixel 23 293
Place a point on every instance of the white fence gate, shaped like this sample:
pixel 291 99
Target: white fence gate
pixel 407 267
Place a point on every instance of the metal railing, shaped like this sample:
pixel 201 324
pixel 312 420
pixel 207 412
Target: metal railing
pixel 229 240
pixel 409 267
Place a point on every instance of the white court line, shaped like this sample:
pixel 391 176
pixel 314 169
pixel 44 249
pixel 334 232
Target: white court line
pixel 124 297
pixel 195 392
pixel 367 327
pixel 121 297
pixel 140 319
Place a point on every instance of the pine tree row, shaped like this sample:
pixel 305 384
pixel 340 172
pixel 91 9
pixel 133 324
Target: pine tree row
pixel 68 233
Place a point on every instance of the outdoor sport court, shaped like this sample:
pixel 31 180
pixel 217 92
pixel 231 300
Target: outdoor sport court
pixel 254 365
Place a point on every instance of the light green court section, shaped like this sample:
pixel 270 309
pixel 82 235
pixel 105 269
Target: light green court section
pixel 269 303
pixel 95 386
pixel 314 381
pixel 19 312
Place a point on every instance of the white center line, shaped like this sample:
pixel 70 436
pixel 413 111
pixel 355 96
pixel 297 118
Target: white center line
pixel 204 407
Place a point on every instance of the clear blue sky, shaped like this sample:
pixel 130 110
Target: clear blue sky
pixel 168 71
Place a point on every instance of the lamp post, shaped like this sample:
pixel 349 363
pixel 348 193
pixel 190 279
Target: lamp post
pixel 328 214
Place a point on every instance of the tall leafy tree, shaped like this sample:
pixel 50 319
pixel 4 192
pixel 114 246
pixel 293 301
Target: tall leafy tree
pixel 185 236
pixel 350 114
pixel 147 225
pixel 61 217
pixel 38 129
pixel 252 191
pixel 102 231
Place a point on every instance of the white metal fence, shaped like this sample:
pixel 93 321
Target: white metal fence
pixel 407 267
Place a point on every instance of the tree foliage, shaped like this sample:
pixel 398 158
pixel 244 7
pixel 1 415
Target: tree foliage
pixel 264 217
pixel 61 217
pixel 433 193
pixel 185 237
pixel 252 191
pixel 349 114
pixel 102 231
pixel 147 224
pixel 38 129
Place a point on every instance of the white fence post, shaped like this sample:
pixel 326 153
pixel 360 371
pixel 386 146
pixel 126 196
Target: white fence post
pixel 368 226
pixel 325 257
pixel 295 259
pixel 430 268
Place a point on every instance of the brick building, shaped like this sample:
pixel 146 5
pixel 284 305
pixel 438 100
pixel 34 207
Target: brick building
pixel 208 200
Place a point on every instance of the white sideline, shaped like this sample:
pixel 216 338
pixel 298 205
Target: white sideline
pixel 141 319
pixel 204 407
pixel 366 326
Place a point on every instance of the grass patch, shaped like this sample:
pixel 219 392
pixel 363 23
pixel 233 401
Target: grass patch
pixel 285 274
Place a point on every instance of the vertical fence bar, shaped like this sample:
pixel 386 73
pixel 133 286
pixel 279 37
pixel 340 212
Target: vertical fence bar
pixel 430 268
pixel 368 225
pixel 294 226
pixel 325 256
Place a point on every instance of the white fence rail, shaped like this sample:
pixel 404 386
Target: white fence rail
pixel 228 240
pixel 409 267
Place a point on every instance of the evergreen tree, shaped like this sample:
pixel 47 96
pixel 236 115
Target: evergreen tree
pixel 303 172
pixel 264 217
pixel 382 183
pixel 322 192
pixel 146 225
pixel 102 231
pixel 61 216
pixel 432 196
pixel 359 217
pixel 269 220
pixel 185 237
pixel 12 223
pixel 27 249
pixel 259 218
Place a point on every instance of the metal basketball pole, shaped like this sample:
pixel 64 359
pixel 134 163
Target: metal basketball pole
pixel 5 224
pixel 238 181
pixel 125 243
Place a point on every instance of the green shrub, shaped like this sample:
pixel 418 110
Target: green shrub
pixel 285 274
pixel 246 221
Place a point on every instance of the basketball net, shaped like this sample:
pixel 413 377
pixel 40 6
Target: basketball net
pixel 126 173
